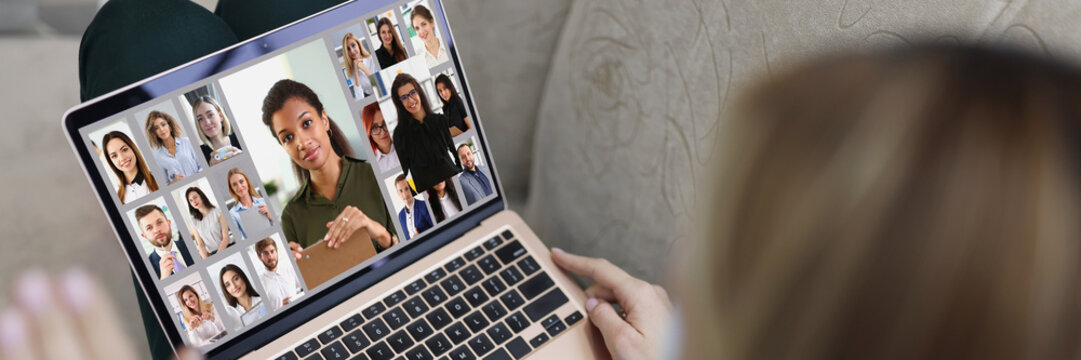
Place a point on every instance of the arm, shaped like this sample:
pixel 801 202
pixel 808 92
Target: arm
pixel 224 233
pixel 291 234
pixel 199 243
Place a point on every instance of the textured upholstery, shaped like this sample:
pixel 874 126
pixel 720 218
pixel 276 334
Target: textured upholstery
pixel 631 105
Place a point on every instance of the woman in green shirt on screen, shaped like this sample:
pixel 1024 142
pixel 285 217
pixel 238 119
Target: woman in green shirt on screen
pixel 340 194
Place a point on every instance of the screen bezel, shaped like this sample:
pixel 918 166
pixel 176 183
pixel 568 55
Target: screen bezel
pixel 189 74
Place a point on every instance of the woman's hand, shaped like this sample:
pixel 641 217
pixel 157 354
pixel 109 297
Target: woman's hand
pixel 263 209
pixel 296 249
pixel 177 179
pixel 359 64
pixel 348 222
pixel 637 333
pixel 69 317
pixel 195 322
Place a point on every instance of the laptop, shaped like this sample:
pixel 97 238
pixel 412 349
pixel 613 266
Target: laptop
pixel 454 274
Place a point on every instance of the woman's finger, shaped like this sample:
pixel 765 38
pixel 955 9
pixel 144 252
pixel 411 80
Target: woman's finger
pixel 52 328
pixel 619 336
pixel 15 336
pixel 298 251
pixel 600 292
pixel 97 318
pixel 600 270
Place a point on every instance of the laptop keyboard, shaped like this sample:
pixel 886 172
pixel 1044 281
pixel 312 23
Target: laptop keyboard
pixel 477 306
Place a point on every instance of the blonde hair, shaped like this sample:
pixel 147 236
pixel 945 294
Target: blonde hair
pixel 899 205
pixel 350 67
pixel 226 129
pixel 204 306
pixel 228 183
pixel 174 129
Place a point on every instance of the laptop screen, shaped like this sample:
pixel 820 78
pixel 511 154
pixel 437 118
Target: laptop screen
pixel 356 139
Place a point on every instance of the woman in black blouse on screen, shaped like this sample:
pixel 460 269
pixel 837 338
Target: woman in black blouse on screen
pixel 421 138
pixel 453 107
pixel 392 51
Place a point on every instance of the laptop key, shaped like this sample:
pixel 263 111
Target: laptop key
pixel 511 252
pixel 494 310
pixel 419 353
pixel 352 322
pixel 415 307
pixel 494 286
pixel 475 296
pixel 511 275
pixel 435 276
pixel 517 322
pixel 476 321
pixel 545 304
pixel 453 285
pixel 438 344
pixel 549 321
pixel 395 318
pixel 394 298
pixel 376 329
pixel 414 287
pixel 507 234
pixel 380 352
pixel 457 333
pixel 330 334
pixel 438 318
pixel 573 318
pixel 519 348
pixel 335 351
pixel 499 354
pixel 538 340
pixel 528 265
pixel 493 243
pixel 462 353
pixel 474 253
pixel 356 341
pixel 489 264
pixel 307 348
pixel 287 356
pixel 481 345
pixel 536 286
pixel 512 300
pixel 499 333
pixel 434 296
pixel 315 356
pixel 373 311
pixel 400 341
pixel 419 330
pixel 458 307
pixel 556 328
pixel 454 265
pixel 471 274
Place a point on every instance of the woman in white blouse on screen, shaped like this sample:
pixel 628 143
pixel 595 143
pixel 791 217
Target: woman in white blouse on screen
pixel 211 232
pixel 434 51
pixel 200 319
pixel 173 151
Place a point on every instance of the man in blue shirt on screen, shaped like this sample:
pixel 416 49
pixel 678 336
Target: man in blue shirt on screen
pixel 474 178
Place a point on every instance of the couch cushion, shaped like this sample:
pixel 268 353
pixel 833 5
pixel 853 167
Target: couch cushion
pixel 629 118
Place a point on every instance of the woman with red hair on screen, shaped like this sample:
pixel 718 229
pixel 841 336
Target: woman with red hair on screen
pixel 379 137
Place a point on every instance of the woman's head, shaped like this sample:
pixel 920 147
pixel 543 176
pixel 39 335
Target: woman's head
pixel 235 284
pixel 197 200
pixel 389 38
pixel 240 185
pixel 296 118
pixel 126 161
pixel 449 192
pixel 409 98
pixel 210 119
pixel 352 50
pixel 376 127
pixel 189 300
pixel 908 204
pixel 161 126
pixel 445 88
pixel 423 22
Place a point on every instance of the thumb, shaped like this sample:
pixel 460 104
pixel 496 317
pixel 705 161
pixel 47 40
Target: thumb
pixel 612 326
